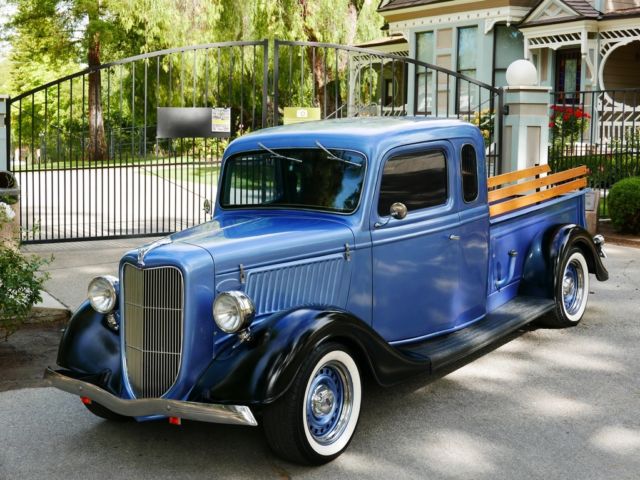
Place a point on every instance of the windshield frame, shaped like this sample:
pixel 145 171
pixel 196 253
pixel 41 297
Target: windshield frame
pixel 258 150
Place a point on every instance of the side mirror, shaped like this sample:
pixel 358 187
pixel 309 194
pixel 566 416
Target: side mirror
pixel 398 210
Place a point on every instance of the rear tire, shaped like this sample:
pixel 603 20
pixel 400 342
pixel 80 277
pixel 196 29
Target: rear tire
pixel 571 291
pixel 103 412
pixel 315 420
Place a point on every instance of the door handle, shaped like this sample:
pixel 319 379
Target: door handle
pixel 454 237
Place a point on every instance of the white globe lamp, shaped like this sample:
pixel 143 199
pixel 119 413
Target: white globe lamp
pixel 522 73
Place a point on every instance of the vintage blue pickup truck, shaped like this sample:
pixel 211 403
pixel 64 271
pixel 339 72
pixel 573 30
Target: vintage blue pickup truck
pixel 338 250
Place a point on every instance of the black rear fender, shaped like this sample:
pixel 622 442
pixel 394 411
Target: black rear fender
pixel 547 251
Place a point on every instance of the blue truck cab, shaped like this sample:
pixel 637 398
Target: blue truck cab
pixel 336 248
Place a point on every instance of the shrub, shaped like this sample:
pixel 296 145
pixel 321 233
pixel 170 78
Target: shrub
pixel 624 205
pixel 20 280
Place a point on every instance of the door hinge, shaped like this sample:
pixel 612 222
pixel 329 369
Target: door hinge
pixel 347 252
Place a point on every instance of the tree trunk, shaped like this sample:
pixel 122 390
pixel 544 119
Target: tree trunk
pixel 97 148
pixel 326 95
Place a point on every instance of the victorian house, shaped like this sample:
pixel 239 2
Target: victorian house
pixel 576 45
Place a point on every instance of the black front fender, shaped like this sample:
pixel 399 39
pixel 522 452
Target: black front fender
pixel 259 370
pixel 547 251
pixel 89 347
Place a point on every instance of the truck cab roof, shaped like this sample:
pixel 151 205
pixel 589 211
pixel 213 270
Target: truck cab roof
pixel 370 135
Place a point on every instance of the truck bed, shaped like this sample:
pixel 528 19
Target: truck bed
pixel 516 230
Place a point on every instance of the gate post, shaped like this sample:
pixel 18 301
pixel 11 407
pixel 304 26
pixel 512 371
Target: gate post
pixel 526 127
pixel 525 138
pixel 4 132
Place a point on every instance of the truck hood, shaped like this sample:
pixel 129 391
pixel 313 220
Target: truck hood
pixel 255 241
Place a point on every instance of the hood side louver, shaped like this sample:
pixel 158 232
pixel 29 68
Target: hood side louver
pixel 319 282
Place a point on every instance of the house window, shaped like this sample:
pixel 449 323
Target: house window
pixel 568 70
pixel 425 53
pixel 508 47
pixel 467 54
pixel 419 180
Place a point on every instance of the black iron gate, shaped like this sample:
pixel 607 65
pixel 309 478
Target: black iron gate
pixel 86 154
pixel 135 184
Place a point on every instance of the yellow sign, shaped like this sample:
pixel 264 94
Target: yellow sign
pixel 221 120
pixel 300 114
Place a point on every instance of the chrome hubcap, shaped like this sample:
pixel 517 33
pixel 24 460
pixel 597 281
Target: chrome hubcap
pixel 567 285
pixel 573 283
pixel 322 400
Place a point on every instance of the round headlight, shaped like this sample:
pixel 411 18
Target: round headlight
pixel 233 311
pixel 102 293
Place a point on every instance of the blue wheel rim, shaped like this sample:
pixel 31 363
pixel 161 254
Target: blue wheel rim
pixel 328 403
pixel 573 285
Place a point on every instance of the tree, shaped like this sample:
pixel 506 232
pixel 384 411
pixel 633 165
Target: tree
pixel 57 37
pixel 54 38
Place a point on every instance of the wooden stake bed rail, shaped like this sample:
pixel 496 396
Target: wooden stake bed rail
pixel 532 190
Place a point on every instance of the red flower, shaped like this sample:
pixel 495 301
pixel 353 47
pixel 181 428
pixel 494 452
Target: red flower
pixel 552 124
pixel 566 117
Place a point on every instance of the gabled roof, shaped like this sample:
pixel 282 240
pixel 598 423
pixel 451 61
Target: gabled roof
pixel 547 12
pixel 386 5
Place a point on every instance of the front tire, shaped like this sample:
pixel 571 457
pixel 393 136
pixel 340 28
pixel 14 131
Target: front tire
pixel 315 420
pixel 571 291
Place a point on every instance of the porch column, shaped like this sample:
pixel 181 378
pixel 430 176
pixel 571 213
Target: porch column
pixel 525 136
pixel 4 134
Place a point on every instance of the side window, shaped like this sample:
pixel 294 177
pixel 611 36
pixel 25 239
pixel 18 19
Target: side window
pixel 419 180
pixel 469 169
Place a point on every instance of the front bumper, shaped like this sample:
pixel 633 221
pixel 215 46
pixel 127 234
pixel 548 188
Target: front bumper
pixel 203 412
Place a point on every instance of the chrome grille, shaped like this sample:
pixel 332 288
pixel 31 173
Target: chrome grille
pixel 153 312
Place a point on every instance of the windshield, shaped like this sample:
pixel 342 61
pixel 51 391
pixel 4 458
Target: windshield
pixel 307 178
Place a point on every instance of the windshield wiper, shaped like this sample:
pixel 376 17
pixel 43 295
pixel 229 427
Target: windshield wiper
pixel 277 155
pixel 333 157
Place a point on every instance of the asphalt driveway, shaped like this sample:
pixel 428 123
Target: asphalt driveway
pixel 544 404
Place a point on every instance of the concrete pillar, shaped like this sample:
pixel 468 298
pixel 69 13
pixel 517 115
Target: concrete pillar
pixel 4 133
pixel 525 127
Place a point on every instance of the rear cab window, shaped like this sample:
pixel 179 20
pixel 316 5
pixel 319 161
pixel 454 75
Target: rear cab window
pixel 469 173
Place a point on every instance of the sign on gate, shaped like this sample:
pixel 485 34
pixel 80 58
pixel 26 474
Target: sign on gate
pixel 300 114
pixel 221 121
pixel 194 122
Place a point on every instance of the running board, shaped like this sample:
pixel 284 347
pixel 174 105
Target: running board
pixel 446 349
